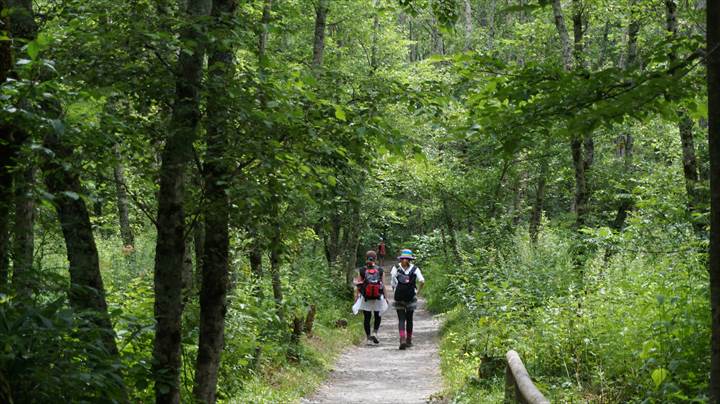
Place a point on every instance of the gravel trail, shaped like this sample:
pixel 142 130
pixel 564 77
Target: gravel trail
pixel 384 374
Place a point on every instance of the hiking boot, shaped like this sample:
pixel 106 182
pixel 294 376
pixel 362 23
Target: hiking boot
pixel 403 346
pixel 374 339
pixel 409 343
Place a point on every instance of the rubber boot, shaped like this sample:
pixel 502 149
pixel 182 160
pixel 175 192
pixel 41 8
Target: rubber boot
pixel 403 344
pixel 408 343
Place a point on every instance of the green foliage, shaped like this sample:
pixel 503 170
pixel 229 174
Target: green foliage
pixel 51 353
pixel 624 334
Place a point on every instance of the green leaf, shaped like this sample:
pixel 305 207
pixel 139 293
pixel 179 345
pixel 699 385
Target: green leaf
pixel 340 113
pixel 659 375
pixel 58 126
pixel 71 195
pixel 33 50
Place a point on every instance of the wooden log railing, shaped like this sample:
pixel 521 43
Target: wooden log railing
pixel 519 388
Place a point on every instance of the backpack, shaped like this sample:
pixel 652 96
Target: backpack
pixel 405 289
pixel 372 286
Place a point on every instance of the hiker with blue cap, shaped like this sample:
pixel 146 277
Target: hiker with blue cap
pixel 406 280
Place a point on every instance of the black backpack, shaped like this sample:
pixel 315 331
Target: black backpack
pixel 372 286
pixel 405 289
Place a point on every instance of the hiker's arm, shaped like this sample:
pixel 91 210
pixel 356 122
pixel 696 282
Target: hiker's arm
pixel 420 281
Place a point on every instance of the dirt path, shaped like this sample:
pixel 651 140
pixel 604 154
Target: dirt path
pixel 383 373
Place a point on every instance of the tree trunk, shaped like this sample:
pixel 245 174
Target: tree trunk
pixel 87 291
pixel 319 40
pixel 625 151
pixel 713 86
pixel 580 186
pixel 264 33
pixel 376 27
pixel 255 254
pixel 624 143
pixel 468 24
pixel 690 170
pixel 6 161
pixel 213 294
pixel 539 203
pixel 563 34
pixel 413 44
pixel 170 248
pixel 451 232
pixel 492 10
pixel 24 242
pixel 685 128
pixel 577 142
pixel 126 233
pixel 630 57
pixel 199 248
pixel 6 158
pixel 275 248
pixel 21 25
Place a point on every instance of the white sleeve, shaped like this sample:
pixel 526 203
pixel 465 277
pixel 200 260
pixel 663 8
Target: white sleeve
pixel 420 277
pixel 393 277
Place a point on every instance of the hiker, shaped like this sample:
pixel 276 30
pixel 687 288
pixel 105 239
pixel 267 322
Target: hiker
pixel 370 296
pixel 406 280
pixel 381 252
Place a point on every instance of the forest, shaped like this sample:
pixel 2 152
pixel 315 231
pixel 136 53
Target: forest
pixel 187 189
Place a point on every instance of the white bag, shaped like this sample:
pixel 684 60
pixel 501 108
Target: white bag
pixel 356 306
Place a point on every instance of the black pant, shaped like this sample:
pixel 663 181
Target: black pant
pixel 405 322
pixel 366 323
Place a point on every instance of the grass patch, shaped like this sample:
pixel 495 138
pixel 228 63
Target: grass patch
pixel 289 382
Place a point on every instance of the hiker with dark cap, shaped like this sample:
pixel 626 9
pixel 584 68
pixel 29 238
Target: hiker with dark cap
pixel 406 280
pixel 370 295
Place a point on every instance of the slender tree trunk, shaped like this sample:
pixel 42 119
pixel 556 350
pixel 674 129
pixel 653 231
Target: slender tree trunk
pixel 319 40
pixel 492 10
pixel 6 162
pixel 275 248
pixel 6 192
pixel 630 57
pixel 625 142
pixel 199 248
pixel 580 185
pixel 563 34
pixel 6 156
pixel 413 45
pixel 625 149
pixel 685 129
pixel 24 242
pixel 87 291
pixel 126 233
pixel 577 143
pixel 264 33
pixel 22 28
pixel 468 25
pixel 690 170
pixel 255 254
pixel 539 203
pixel 451 232
pixel 713 86
pixel 213 294
pixel 170 248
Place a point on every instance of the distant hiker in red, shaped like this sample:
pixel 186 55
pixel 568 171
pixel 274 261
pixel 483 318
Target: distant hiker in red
pixel 370 295
pixel 381 252
pixel 406 280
